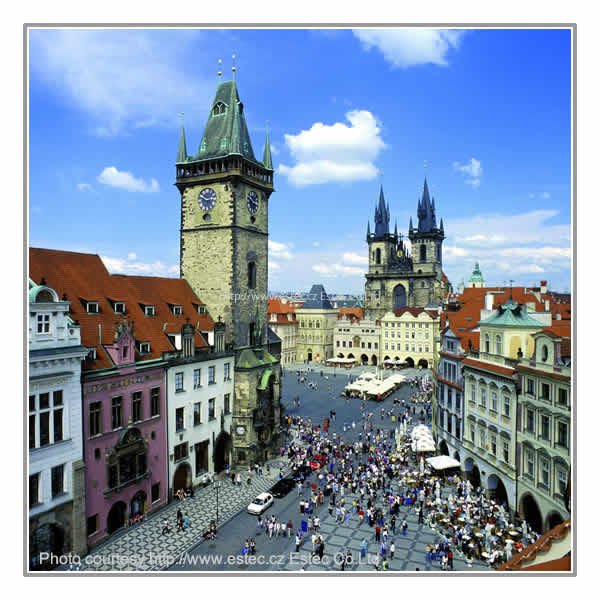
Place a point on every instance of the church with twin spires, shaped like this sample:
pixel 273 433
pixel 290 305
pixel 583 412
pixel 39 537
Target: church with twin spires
pixel 405 272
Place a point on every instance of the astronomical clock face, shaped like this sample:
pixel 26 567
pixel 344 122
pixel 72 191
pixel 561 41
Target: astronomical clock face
pixel 207 199
pixel 252 202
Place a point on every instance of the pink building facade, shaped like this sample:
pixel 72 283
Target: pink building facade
pixel 125 445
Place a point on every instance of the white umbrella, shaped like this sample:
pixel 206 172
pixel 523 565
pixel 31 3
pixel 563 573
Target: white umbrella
pixel 421 466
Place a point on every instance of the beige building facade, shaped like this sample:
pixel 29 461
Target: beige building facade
pixel 316 324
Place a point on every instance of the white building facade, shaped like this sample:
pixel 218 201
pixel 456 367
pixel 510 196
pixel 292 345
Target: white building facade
pixel 357 339
pixel 200 388
pixel 56 468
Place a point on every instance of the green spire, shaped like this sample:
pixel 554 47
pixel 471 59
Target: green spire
pixel 226 131
pixel 182 151
pixel 267 161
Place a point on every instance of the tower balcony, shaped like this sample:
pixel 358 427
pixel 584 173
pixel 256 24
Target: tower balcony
pixel 221 168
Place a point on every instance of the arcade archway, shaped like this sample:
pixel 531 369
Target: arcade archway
pixel 553 519
pixel 472 473
pixel 48 538
pixel 497 490
pixel 423 363
pixel 410 362
pixel 116 517
pixel 530 511
pixel 138 504
pixel 374 360
pixel 222 451
pixel 443 448
pixel 364 359
pixel 182 479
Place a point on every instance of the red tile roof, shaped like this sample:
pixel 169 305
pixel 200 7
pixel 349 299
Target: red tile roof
pixel 83 277
pixel 486 366
pixel 415 312
pixel 276 306
pixel 353 312
pixel 541 546
pixel 472 300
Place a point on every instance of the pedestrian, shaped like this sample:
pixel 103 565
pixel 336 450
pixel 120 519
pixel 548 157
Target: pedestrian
pixel 298 541
pixel 166 528
pixel 392 550
pixel 451 560
pixel 363 549
pixel 404 526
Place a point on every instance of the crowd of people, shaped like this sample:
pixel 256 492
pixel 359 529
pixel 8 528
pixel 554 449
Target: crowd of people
pixel 374 481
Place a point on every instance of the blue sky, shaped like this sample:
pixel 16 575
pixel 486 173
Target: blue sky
pixel 489 110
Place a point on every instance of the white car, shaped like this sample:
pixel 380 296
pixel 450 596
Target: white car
pixel 260 503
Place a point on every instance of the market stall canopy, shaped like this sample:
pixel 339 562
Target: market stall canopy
pixel 440 463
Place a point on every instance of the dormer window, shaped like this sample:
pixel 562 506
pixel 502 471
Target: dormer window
pixel 178 310
pixel 219 109
pixel 43 323
pixel 201 309
pixel 144 347
pixel 149 310
pixel 119 307
pixel 91 355
pixel 92 308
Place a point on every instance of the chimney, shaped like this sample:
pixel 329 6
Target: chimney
pixel 546 305
pixel 489 301
pixel 544 286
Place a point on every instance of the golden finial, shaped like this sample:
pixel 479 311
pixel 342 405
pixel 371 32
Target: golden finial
pixel 233 69
pixel 219 72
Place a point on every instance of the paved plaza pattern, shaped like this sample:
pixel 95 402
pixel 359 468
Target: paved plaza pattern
pixel 143 547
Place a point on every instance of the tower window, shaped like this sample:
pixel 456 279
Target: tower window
pixel 423 253
pixel 251 275
pixel 219 109
pixel 378 256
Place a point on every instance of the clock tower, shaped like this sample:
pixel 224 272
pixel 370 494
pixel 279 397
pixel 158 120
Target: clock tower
pixel 225 193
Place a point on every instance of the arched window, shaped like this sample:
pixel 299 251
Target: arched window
pixel 487 343
pixel 378 256
pixel 423 253
pixel 498 345
pixel 219 109
pixel 251 275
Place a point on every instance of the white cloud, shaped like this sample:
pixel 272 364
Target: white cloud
pixel 409 47
pixel 280 250
pixel 316 244
pixel 335 269
pixel 355 259
pixel 84 187
pixel 524 245
pixel 274 266
pixel 338 152
pixel 132 256
pixel 131 266
pixel 545 195
pixel 124 180
pixel 122 79
pixel 472 170
pixel 274 149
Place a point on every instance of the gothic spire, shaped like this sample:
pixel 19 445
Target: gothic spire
pixel 267 161
pixel 425 210
pixel 382 216
pixel 368 229
pixel 182 151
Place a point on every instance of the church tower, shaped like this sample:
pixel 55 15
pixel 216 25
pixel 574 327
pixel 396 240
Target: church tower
pixel 426 248
pixel 225 193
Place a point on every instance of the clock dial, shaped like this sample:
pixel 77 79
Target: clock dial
pixel 207 199
pixel 252 202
